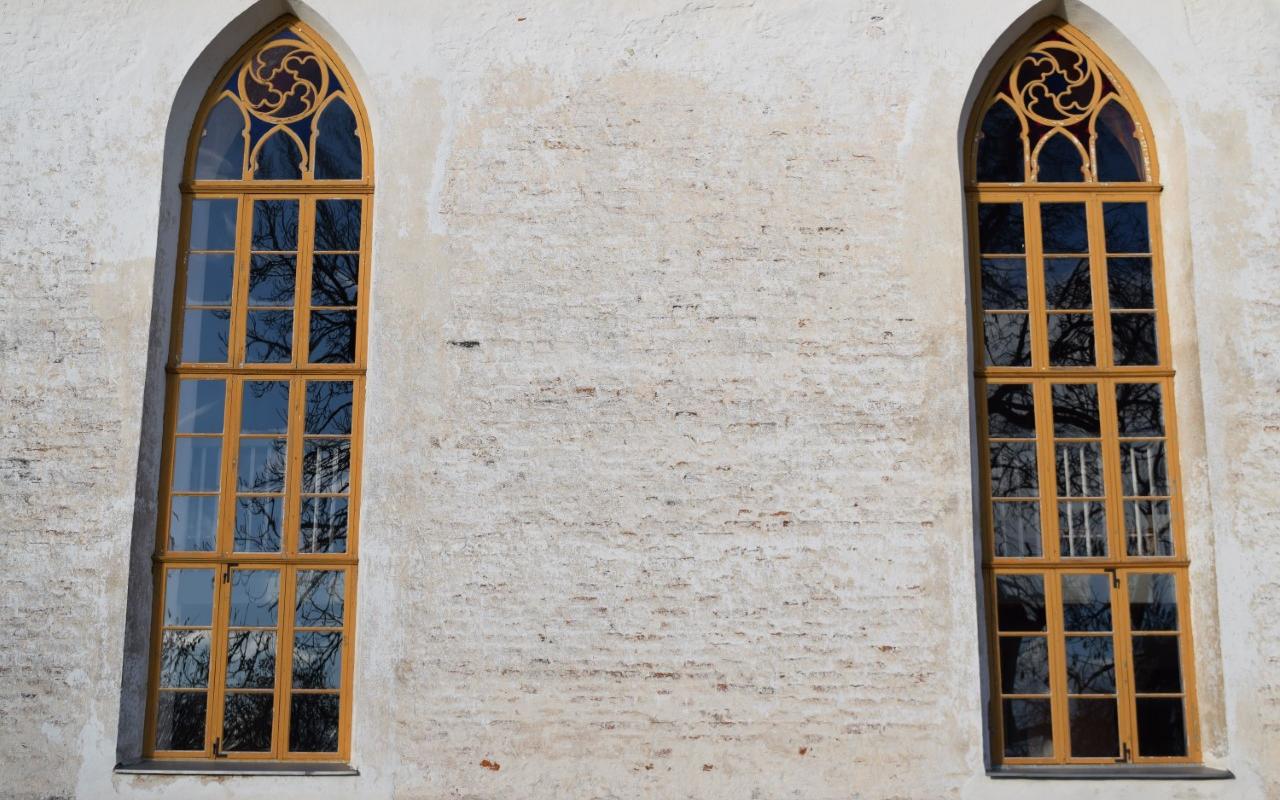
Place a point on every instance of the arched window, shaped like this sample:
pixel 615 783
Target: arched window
pixel 256 541
pixel 1084 557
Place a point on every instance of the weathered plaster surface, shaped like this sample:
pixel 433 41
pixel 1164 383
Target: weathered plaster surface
pixel 694 519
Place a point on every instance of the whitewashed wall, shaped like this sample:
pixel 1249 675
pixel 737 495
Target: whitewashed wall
pixel 695 517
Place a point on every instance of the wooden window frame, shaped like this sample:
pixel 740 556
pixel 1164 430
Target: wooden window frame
pixel 1104 374
pixel 290 560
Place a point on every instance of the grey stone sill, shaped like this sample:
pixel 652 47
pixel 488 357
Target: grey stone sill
pixel 227 766
pixel 1117 772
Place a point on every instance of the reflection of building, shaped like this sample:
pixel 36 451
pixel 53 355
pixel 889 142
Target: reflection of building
pixel 711 402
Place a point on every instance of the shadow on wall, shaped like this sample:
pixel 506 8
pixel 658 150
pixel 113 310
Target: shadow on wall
pixel 204 68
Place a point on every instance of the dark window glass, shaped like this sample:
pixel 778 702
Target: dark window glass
pixel 1075 410
pixel 1001 152
pixel 204 336
pixel 1024 665
pixel 246 722
pixel 1091 667
pixel 1017 528
pixel 264 407
pixel 328 409
pixel 1028 729
pixel 319 602
pixel 1138 409
pixel 333 337
pixel 1134 336
pixel 1156 667
pixel 1013 469
pixel 1066 283
pixel 279 159
pixel 1020 603
pixel 317 660
pixel 209 278
pixel 1086 602
pixel 1129 282
pixel 259 521
pixel 251 659
pixel 1161 727
pixel 333 279
pixel 1147 528
pixel 1007 338
pixel 1011 411
pixel 313 723
pixel 337 225
pixel 268 337
pixel 180 720
pixel 337 146
pixel 1082 529
pixel 1119 156
pixel 1153 604
pixel 1126 227
pixel 1000 228
pixel 1071 340
pixel 323 525
pixel 1063 228
pixel 213 224
pixel 271 279
pixel 184 659
pixel 1094 728
pixel 275 225
pixel 200 404
pixel 1060 161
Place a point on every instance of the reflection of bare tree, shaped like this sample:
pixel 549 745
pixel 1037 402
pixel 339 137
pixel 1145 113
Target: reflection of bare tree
pixel 337 153
pixel 333 337
pixel 313 723
pixel 324 525
pixel 272 278
pixel 279 159
pixel 264 470
pixel 1000 228
pixel 1063 226
pixel 1020 602
pixel 184 659
pixel 1135 338
pixel 1129 283
pixel 319 599
pixel 266 406
pixel 246 722
pixel 337 226
pixel 1067 283
pixel 251 659
pixel 1071 340
pixel 1075 410
pixel 1008 339
pixel 180 721
pixel 328 407
pixel 1024 665
pixel 1090 665
pixel 1013 469
pixel 269 337
pixel 317 660
pixel 1126 227
pixel 1138 409
pixel 258 524
pixel 326 466
pixel 333 279
pixel 1011 410
pixel 275 225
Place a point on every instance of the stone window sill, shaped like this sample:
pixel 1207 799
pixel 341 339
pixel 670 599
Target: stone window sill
pixel 1118 772
pixel 232 767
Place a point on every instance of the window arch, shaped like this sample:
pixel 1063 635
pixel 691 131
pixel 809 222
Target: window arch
pixel 1084 557
pixel 256 539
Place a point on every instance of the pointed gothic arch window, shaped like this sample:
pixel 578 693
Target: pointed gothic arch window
pixel 256 540
pixel 1084 555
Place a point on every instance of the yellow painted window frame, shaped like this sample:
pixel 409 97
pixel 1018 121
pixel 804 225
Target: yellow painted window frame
pixel 1117 565
pixel 298 372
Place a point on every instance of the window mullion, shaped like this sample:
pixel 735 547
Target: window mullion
pixel 1117 539
pixel 225 540
pixel 1057 666
pixel 1104 352
pixel 1046 470
pixel 218 656
pixel 302 289
pixel 240 280
pixel 1036 305
pixel 284 663
pixel 1124 661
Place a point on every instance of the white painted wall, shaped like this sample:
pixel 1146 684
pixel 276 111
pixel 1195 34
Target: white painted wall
pixel 695 519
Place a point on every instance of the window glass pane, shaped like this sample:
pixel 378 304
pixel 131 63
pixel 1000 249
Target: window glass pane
pixel 251 659
pixel 1147 528
pixel 323 525
pixel 1119 155
pixel 1138 409
pixel 1134 339
pixel 1024 665
pixel 1156 665
pixel 264 407
pixel 1161 727
pixel 209 277
pixel 1071 340
pixel 1017 529
pixel 337 147
pixel 317 660
pixel 1126 227
pixel 1011 411
pixel 268 337
pixel 333 279
pixel 261 466
pixel 1142 469
pixel 184 659
pixel 1066 283
pixel 333 337
pixel 193 522
pixel 1028 729
pixel 1078 466
pixel 328 408
pixel 1129 282
pixel 1000 228
pixel 1063 228
pixel 255 597
pixel 1090 665
pixel 204 336
pixel 1007 340
pixel 337 225
pixel 1060 161
pixel 313 723
pixel 275 225
pixel 1020 603
pixel 1075 410
pixel 196 462
pixel 200 406
pixel 259 521
pixel 180 721
pixel 213 224
pixel 188 597
pixel 279 159
pixel 1013 469
pixel 1094 728
pixel 326 466
pixel 1086 602
pixel 1153 604
pixel 1082 529
pixel 221 151
pixel 246 722
pixel 319 599
pixel 1000 150
pixel 271 279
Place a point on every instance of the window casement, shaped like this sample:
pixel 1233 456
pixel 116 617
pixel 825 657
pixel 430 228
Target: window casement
pixel 1084 555
pixel 256 542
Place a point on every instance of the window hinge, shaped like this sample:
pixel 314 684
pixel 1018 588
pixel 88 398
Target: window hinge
pixel 1115 577
pixel 217 748
pixel 1124 754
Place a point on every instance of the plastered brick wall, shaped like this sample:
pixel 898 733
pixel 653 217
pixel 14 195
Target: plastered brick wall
pixel 668 466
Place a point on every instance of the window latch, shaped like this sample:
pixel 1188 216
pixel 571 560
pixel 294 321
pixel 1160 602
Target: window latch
pixel 1124 754
pixel 217 748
